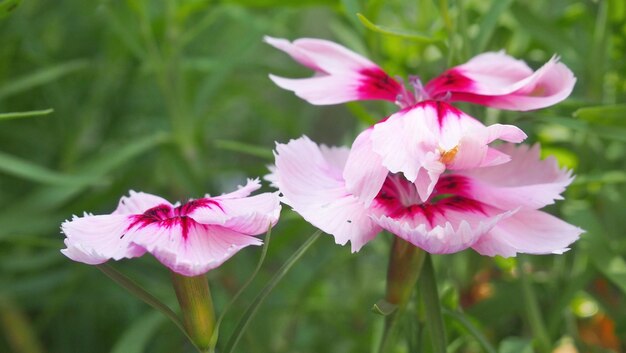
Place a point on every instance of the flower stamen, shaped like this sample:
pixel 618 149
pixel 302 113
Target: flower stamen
pixel 447 157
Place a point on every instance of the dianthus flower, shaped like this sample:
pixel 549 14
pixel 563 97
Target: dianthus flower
pixel 493 209
pixel 190 238
pixel 493 79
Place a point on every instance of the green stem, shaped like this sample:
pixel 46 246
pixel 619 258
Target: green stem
pixel 196 305
pixel 142 294
pixel 252 309
pixel 405 265
pixel 432 306
pixel 266 243
pixel 532 312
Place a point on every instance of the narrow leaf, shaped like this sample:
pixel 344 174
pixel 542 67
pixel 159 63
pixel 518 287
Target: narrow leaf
pixel 41 77
pixel 142 294
pixel 252 309
pixel 19 115
pixel 19 331
pixel 434 320
pixel 604 114
pixel 488 24
pixel 473 330
pixel 546 31
pixel 39 208
pixel 608 132
pixel 266 242
pixel 111 160
pixel 33 172
pixel 531 308
pixel 245 148
pixel 136 337
pixel 416 36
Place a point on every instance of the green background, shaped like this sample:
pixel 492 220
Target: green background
pixel 173 98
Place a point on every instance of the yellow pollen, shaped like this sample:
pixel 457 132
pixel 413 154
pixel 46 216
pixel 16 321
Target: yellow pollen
pixel 447 157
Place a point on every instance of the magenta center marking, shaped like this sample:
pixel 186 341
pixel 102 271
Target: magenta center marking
pixel 167 216
pixel 398 198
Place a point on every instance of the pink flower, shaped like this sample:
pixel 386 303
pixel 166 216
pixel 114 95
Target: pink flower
pixel 492 79
pixel 190 239
pixel 422 142
pixel 492 209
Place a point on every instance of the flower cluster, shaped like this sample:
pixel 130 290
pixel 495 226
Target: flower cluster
pixel 427 173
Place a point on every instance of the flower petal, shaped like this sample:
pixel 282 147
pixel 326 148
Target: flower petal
pixel 96 239
pixel 323 90
pixel 529 231
pixel 248 215
pixel 433 136
pixel 525 181
pixel 194 250
pixel 139 202
pixel 442 231
pixel 312 184
pixel 345 75
pixel 500 81
pixel 242 191
pixel 322 55
pixel 364 173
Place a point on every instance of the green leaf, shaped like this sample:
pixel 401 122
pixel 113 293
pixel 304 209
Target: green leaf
pixel 245 148
pixel 136 337
pixel 142 294
pixel 110 160
pixel 266 243
pixel 41 77
pixel 8 6
pixel 489 22
pixel 416 36
pixel 252 309
pixel 545 30
pixel 603 115
pixel 427 284
pixel 608 132
pixel 35 209
pixel 473 330
pixel 19 115
pixel 18 328
pixel 127 35
pixel 30 171
pixel 531 308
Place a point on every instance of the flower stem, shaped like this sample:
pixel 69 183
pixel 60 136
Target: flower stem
pixel 258 300
pixel 405 265
pixel 196 305
pixel 432 307
pixel 533 313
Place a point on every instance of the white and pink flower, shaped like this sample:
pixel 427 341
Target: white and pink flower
pixel 490 207
pixel 190 239
pixel 492 79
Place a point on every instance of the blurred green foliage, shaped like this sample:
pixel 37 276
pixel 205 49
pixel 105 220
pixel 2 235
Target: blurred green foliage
pixel 172 98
